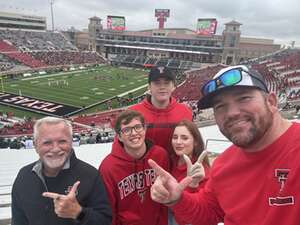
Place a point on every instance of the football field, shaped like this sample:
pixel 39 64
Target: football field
pixel 79 88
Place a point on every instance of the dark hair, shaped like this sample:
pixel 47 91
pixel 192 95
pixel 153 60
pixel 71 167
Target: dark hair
pixel 126 117
pixel 198 140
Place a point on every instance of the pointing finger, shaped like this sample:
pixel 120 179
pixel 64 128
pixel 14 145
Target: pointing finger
pixel 158 170
pixel 52 195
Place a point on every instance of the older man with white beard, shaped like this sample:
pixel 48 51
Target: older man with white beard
pixel 58 188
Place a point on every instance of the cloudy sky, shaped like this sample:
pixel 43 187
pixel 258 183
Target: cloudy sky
pixel 275 19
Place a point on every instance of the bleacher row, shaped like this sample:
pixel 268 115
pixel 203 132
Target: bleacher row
pixel 282 72
pixel 82 124
pixel 189 90
pixel 34 49
pixel 141 61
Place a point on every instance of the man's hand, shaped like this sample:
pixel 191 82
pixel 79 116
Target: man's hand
pixel 196 170
pixel 66 206
pixel 166 189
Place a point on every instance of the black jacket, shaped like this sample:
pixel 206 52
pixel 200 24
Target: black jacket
pixel 29 207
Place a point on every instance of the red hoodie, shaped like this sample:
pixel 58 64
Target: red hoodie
pixel 160 123
pixel 128 183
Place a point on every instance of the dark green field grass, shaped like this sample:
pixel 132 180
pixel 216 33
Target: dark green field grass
pixel 78 88
pixel 81 88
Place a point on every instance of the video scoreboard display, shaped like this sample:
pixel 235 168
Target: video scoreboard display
pixel 206 26
pixel 162 12
pixel 116 23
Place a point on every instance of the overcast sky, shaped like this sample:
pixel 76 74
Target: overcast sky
pixel 275 19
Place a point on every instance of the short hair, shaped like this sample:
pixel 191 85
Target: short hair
pixel 126 117
pixel 50 120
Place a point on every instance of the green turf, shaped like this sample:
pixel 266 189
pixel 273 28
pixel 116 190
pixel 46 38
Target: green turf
pixel 84 87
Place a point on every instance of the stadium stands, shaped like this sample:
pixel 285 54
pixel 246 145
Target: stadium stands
pixel 68 57
pixel 145 61
pixel 282 72
pixel 41 49
pixel 189 90
pixel 12 52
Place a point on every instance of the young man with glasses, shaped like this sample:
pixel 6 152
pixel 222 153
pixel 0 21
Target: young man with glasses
pixel 128 176
pixel 256 180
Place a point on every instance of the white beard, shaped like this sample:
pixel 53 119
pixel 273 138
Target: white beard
pixel 56 163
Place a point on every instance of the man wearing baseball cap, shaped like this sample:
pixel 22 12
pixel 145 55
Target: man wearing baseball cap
pixel 161 111
pixel 256 180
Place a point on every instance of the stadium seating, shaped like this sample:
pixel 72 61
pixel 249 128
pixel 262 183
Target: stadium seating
pixel 100 120
pixel 12 52
pixel 282 72
pixel 68 57
pixel 189 90
pixel 41 49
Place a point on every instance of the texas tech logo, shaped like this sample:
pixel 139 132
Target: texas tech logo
pixel 142 194
pixel 161 69
pixel 282 176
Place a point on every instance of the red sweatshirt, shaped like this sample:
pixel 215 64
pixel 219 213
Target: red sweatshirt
pixel 179 172
pixel 128 183
pixel 259 188
pixel 160 123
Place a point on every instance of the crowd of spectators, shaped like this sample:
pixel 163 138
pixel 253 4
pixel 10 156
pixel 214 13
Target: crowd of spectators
pixel 37 49
pixel 37 40
pixel 56 58
pixel 282 72
pixel 15 54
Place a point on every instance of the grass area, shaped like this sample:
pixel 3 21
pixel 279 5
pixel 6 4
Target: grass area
pixel 79 88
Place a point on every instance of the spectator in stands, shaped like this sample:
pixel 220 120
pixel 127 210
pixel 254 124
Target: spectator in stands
pixel 297 109
pixel 160 109
pixel 188 157
pixel 128 176
pixel 58 188
pixel 256 180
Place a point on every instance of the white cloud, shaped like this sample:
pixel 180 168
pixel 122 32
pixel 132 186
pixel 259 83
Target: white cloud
pixel 275 19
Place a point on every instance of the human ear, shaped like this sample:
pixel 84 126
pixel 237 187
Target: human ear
pixel 272 101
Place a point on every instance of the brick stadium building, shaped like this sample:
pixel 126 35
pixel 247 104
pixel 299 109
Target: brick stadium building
pixel 179 48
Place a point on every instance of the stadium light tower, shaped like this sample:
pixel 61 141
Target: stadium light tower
pixel 52 18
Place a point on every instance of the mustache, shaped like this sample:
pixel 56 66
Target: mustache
pixel 232 120
pixel 60 153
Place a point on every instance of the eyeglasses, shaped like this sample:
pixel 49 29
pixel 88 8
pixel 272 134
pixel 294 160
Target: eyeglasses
pixel 128 130
pixel 228 78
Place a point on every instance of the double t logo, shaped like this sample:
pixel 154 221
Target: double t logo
pixel 281 175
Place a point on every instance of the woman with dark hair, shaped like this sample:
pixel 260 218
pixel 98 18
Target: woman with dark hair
pixel 188 147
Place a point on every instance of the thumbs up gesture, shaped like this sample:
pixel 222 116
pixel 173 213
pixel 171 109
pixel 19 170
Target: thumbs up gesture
pixel 66 206
pixel 196 170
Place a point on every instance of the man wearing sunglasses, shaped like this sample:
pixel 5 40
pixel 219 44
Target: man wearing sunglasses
pixel 256 180
pixel 128 176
